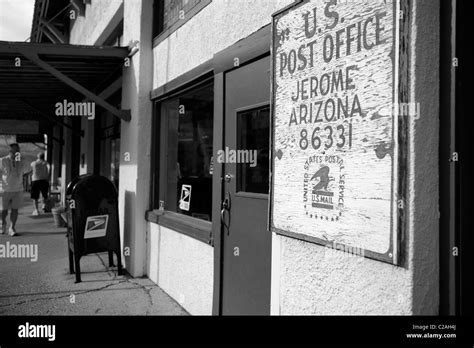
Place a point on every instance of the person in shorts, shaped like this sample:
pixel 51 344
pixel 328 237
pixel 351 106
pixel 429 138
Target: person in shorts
pixel 12 168
pixel 39 181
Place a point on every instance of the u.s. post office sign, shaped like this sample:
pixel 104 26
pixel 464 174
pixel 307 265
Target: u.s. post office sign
pixel 338 142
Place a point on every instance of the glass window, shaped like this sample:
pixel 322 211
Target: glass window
pixel 253 134
pixel 187 122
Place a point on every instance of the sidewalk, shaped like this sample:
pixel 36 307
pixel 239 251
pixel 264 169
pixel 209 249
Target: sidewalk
pixel 45 287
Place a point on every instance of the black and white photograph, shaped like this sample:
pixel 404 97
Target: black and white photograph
pixel 208 168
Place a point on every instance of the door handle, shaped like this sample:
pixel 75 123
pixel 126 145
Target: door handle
pixel 226 207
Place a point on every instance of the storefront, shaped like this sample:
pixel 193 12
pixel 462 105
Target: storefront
pixel 235 259
pixel 196 159
pixel 195 144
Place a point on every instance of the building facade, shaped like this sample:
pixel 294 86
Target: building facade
pixel 194 220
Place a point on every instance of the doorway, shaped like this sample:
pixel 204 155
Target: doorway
pixel 246 247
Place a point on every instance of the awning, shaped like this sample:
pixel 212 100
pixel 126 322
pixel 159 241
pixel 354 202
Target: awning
pixel 36 76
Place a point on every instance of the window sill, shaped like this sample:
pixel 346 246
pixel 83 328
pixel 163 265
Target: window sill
pixel 189 226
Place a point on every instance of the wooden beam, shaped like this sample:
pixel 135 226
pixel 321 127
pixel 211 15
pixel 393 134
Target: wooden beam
pixel 53 30
pixel 49 36
pixel 57 23
pixel 63 50
pixel 111 89
pixel 123 114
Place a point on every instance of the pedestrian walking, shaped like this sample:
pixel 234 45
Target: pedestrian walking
pixel 12 168
pixel 39 181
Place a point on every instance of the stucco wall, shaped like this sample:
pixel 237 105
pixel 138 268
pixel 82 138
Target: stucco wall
pixel 216 27
pixel 314 280
pixel 425 175
pixel 87 29
pixel 183 267
pixel 307 279
pixel 135 141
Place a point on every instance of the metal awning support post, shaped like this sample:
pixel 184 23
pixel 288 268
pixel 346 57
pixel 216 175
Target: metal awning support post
pixel 33 57
pixel 49 35
pixel 58 37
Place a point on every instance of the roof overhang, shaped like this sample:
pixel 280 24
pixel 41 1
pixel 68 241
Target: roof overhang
pixel 34 77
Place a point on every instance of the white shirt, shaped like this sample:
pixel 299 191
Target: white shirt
pixel 40 170
pixel 12 174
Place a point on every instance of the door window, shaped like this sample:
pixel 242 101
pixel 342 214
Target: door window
pixel 253 134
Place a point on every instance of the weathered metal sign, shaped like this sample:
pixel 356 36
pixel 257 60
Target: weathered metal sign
pixel 334 172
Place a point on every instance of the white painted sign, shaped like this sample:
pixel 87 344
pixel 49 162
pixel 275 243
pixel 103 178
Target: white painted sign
pixel 334 169
pixel 96 226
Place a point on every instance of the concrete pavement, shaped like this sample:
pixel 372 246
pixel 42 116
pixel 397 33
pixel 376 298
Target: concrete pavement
pixel 45 287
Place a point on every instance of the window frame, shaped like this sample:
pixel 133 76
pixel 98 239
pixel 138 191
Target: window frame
pixel 193 227
pixel 163 35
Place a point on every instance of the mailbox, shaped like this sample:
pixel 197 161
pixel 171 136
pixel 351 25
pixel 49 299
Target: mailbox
pixel 92 219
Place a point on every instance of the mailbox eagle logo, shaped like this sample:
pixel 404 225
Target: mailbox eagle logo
pixel 323 188
pixel 321 197
pixel 96 226
pixel 323 175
